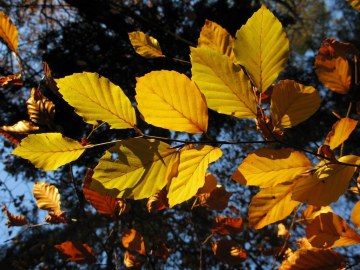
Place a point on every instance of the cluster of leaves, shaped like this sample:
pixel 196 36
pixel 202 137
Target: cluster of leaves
pixel 236 77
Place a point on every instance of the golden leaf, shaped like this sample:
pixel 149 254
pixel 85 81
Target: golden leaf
pixel 96 98
pixel 8 32
pixel 328 230
pixel 40 110
pixel 269 167
pixel 292 103
pixel 49 151
pixel 225 86
pixel 13 220
pixel 47 196
pixel 282 231
pixel 312 212
pixel 191 172
pixel 145 45
pixel 355 4
pixel 261 46
pixel 79 253
pixel 171 100
pixel 133 241
pixel 355 215
pixel 340 132
pixel 21 127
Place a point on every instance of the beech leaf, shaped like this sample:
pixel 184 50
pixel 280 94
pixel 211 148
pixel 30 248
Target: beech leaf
pixel 355 4
pixel 226 225
pixel 209 185
pixel 216 200
pixel 8 32
pixel 145 45
pixel 13 78
pixel 229 252
pixel 261 46
pixel 47 196
pixel 133 241
pixel 225 86
pixel 340 132
pixel 191 172
pixel 292 103
pixel 96 98
pixel 13 220
pixel 79 253
pixel 40 109
pixel 49 151
pixel 269 167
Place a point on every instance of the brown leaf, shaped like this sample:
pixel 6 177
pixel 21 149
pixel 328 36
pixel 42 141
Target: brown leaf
pixel 224 225
pixel 18 131
pixel 158 201
pixel 216 200
pixel 14 79
pixel 56 217
pixel 76 252
pixel 50 82
pixel 13 220
pixel 329 230
pixel 229 252
pixel 304 259
pixel 133 241
pixel 312 212
pixel 210 184
pixel 40 109
pixel 131 261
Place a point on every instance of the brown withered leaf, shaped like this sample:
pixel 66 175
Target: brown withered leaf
pixel 210 184
pixel 40 109
pixel 133 241
pixel 216 200
pixel 131 261
pixel 18 131
pixel 56 217
pixel 312 212
pixel 79 253
pixel 314 258
pixel 14 79
pixel 330 230
pixel 229 252
pixel 13 220
pixel 158 201
pixel 225 225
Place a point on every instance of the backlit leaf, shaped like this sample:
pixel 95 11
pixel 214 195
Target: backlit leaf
pixel 21 127
pixel 225 86
pixel 305 259
pixel 79 253
pixel 215 37
pixel 271 204
pixel 158 201
pixel 355 215
pixel 56 217
pixel 96 98
pixel 133 241
pixel 326 184
pixel 292 103
pixel 269 167
pixel 216 200
pixel 340 132
pixel 312 212
pixel 13 78
pixel 135 169
pixel 8 32
pixel 49 151
pixel 209 185
pixel 13 220
pixel 261 46
pixel 40 109
pixel 47 196
pixel 226 225
pixel 355 4
pixel 191 172
pixel 328 230
pixel 145 45
pixel 229 252
pixel 171 100
pixel 132 261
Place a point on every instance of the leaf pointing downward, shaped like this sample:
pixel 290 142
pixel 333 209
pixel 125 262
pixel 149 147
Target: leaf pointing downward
pixel 40 109
pixel 8 32
pixel 47 196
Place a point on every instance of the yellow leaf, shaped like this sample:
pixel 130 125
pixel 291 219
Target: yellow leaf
pixel 328 230
pixel 191 172
pixel 95 99
pixel 215 37
pixel 355 4
pixel 49 151
pixel 135 168
pixel 47 196
pixel 312 212
pixel 171 100
pixel 269 167
pixel 225 86
pixel 8 32
pixel 145 45
pixel 40 109
pixel 271 204
pixel 326 184
pixel 261 46
pixel 305 259
pixel 292 103
pixel 340 132
pixel 355 215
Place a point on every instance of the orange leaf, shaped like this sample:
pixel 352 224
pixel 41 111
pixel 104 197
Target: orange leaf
pixel 229 252
pixel 76 252
pixel 133 241
pixel 8 32
pixel 340 131
pixel 158 201
pixel 13 78
pixel 217 199
pixel 56 217
pixel 210 184
pixel 355 215
pixel 225 225
pixel 312 212
pixel 303 259
pixel 329 230
pixel 13 220
pixel 131 261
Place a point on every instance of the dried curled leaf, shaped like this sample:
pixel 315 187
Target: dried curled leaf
pixel 158 201
pixel 8 32
pixel 18 131
pixel 13 220
pixel 145 45
pixel 79 253
pixel 229 252
pixel 13 78
pixel 40 109
pixel 56 217
pixel 133 241
pixel 225 225
pixel 47 196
